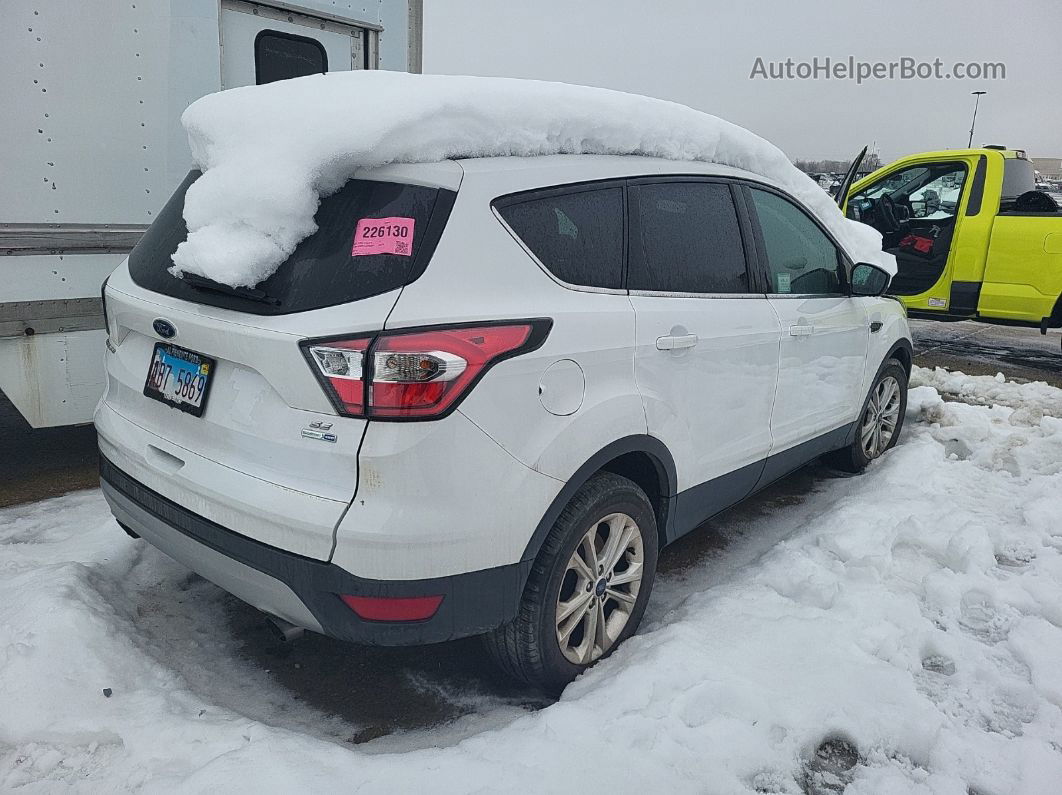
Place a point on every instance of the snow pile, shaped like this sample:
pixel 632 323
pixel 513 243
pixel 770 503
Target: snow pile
pixel 914 613
pixel 269 153
pixel 1034 399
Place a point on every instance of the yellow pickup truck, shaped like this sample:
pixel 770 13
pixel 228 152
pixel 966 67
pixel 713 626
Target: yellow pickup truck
pixel 972 236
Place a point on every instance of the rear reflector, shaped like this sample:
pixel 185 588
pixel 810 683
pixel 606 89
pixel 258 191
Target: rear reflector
pixel 402 608
pixel 416 374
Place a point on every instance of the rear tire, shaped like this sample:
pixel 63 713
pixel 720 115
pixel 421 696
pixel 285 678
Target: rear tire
pixel 880 421
pixel 569 620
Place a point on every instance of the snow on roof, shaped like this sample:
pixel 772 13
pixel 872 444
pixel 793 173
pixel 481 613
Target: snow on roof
pixel 269 153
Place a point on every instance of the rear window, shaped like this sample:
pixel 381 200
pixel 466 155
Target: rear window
pixel 577 235
pixel 328 268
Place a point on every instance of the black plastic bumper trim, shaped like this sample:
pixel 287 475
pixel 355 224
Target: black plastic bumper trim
pixel 473 603
pixel 964 298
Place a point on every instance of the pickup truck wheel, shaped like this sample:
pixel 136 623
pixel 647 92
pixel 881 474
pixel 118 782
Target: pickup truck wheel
pixel 880 421
pixel 588 587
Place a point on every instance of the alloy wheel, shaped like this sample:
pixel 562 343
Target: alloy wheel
pixel 880 418
pixel 599 588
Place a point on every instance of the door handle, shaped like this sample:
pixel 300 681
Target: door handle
pixel 801 330
pixel 674 343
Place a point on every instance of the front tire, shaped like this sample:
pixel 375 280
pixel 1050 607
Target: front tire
pixel 588 587
pixel 880 421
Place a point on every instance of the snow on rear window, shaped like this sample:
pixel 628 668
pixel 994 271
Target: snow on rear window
pixel 269 153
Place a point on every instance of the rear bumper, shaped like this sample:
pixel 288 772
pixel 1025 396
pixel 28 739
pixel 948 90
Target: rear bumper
pixel 305 591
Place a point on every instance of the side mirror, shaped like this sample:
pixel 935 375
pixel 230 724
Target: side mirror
pixel 869 280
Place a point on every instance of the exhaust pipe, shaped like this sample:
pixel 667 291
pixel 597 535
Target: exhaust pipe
pixel 284 631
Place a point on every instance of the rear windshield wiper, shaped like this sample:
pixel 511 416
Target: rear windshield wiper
pixel 250 293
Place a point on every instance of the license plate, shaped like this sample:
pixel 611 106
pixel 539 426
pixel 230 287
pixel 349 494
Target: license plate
pixel 179 378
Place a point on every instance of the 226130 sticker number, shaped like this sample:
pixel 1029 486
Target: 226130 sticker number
pixel 386 230
pixel 393 235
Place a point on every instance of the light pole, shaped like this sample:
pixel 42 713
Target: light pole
pixel 977 99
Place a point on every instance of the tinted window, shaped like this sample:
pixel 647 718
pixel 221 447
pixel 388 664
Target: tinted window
pixel 1019 176
pixel 279 56
pixel 801 259
pixel 684 237
pixel 323 270
pixel 578 236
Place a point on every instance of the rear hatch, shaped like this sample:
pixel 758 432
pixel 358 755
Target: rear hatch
pixel 254 443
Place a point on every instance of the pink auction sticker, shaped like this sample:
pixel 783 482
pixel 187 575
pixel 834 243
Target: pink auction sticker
pixel 383 236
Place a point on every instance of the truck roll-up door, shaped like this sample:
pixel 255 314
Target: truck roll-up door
pixel 261 43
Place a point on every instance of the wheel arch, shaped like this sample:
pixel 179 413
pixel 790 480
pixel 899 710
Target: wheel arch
pixel 1054 320
pixel 903 352
pixel 641 458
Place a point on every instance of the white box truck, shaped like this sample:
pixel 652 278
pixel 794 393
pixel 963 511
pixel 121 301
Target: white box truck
pixel 91 146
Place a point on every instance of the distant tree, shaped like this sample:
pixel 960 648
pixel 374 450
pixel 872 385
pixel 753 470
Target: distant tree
pixel 870 163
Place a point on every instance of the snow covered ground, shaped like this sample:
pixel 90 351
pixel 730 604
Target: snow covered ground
pixel 913 613
pixel 1034 399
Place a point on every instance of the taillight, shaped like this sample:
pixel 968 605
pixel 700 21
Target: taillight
pixel 416 374
pixel 342 363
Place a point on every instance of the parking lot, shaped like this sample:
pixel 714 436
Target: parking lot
pixel 385 690
pixel 465 466
pixel 1021 354
pixel 381 691
pixel 804 592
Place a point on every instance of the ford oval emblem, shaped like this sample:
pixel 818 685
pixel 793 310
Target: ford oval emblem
pixel 164 328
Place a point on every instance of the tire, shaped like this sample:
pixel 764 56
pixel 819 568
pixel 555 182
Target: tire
pixel 529 648
pixel 856 456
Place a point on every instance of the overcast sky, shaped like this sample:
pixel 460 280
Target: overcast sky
pixel 702 53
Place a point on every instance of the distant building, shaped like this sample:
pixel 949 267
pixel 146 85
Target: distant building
pixel 1049 167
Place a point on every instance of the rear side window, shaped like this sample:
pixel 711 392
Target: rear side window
pixel 578 236
pixel 684 238
pixel 801 259
pixel 280 56
pixel 1019 176
pixel 348 258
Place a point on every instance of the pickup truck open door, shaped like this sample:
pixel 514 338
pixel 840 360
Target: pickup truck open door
pixel 849 178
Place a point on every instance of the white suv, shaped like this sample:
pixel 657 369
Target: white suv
pixel 485 393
